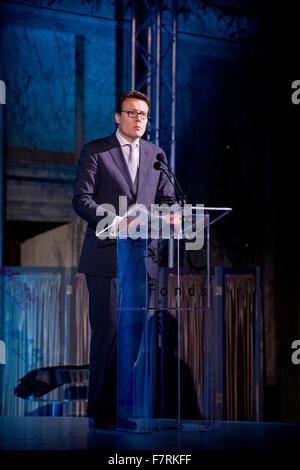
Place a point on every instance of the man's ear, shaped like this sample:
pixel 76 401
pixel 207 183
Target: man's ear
pixel 117 118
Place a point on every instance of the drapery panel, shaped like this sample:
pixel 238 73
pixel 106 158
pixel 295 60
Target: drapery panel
pixel 243 341
pixel 43 325
pixel 195 345
pixel 31 331
pixel 222 349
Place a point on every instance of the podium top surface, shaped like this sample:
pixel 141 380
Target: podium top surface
pixel 214 213
pixel 208 215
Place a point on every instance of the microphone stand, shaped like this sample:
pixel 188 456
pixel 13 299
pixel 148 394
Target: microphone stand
pixel 182 198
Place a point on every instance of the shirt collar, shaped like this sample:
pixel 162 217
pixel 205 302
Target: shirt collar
pixel 124 141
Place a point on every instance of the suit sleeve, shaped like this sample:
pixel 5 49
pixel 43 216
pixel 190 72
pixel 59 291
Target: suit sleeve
pixel 85 185
pixel 165 192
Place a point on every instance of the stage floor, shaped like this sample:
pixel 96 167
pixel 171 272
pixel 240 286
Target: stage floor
pixel 59 433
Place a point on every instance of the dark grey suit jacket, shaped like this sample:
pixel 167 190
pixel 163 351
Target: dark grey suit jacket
pixel 102 176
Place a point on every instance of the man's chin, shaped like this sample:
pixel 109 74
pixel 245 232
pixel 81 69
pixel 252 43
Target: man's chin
pixel 140 133
pixel 136 134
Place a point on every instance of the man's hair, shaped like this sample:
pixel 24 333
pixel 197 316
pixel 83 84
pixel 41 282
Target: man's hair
pixel 132 94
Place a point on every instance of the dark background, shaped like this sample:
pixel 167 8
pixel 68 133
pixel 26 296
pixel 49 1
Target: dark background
pixel 237 135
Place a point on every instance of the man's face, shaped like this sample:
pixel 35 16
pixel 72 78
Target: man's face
pixel 132 128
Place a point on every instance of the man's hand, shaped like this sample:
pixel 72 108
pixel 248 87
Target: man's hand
pixel 173 219
pixel 124 223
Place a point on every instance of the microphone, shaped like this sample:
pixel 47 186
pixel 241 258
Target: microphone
pixel 160 159
pixel 157 166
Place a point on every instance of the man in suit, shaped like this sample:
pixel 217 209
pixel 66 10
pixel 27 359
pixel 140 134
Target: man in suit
pixel 118 165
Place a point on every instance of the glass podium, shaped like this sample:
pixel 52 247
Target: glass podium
pixel 151 375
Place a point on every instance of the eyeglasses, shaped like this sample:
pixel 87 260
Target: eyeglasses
pixel 134 114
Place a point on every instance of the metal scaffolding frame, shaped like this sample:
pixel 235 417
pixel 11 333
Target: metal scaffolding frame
pixel 153 44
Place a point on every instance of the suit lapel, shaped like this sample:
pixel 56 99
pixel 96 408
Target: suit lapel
pixel 117 154
pixel 144 166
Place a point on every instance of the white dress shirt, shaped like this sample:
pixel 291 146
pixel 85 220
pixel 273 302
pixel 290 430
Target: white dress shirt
pixel 126 149
pixel 136 155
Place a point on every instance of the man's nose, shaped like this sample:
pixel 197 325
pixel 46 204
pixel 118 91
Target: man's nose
pixel 138 117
